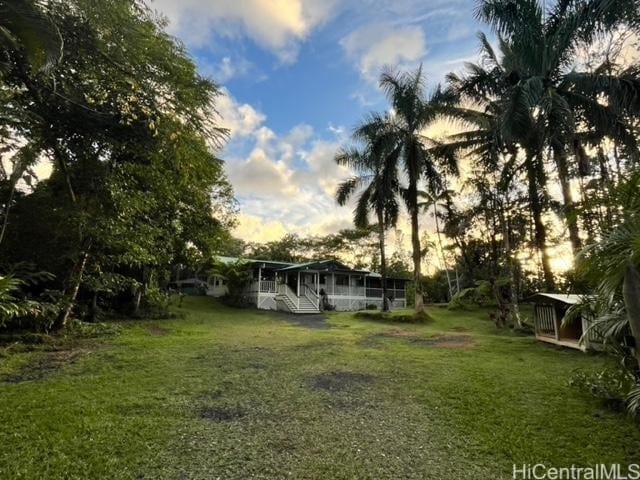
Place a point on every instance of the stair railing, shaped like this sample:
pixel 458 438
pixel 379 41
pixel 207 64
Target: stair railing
pixel 283 289
pixel 311 295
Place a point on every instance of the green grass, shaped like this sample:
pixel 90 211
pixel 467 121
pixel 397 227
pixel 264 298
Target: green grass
pixel 236 394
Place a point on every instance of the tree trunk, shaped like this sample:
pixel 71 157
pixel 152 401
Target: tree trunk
pixel 444 260
pixel 94 307
pixel 515 308
pixel 631 293
pixel 570 212
pixel 74 291
pixel 383 261
pixel 539 227
pixel 136 301
pixel 415 244
pixel 62 164
pixel 5 221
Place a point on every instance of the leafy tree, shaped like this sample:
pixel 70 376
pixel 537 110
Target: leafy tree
pixel 129 126
pixel 26 30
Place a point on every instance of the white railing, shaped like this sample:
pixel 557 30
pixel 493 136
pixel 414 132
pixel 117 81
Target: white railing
pixel 311 295
pixel 283 289
pixel 268 286
pixel 368 292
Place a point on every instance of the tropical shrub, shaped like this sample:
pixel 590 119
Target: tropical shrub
pixel 238 276
pixel 614 387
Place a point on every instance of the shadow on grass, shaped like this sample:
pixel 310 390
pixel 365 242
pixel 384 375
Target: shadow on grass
pixel 417 318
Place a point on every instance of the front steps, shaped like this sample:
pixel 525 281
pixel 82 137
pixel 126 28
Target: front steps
pixel 284 302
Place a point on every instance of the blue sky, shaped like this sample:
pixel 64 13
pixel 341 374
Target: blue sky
pixel 297 75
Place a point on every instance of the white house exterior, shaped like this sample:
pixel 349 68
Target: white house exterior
pixel 307 287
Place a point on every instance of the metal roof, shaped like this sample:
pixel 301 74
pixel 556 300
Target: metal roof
pixel 315 265
pixel 228 260
pixel 320 264
pixel 567 298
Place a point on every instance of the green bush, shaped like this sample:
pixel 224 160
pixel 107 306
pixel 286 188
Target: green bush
pixel 469 298
pixel 612 386
pixel 19 310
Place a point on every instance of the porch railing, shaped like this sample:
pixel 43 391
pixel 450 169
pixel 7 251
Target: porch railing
pixel 311 295
pixel 345 290
pixel 283 289
pixel 268 286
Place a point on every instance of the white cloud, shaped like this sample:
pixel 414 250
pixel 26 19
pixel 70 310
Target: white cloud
pixel 286 183
pixel 229 68
pixel 241 119
pixel 276 25
pixel 253 228
pixel 262 176
pixel 378 45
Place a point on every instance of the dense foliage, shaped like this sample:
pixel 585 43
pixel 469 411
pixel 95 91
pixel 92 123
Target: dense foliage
pixel 116 107
pixel 547 127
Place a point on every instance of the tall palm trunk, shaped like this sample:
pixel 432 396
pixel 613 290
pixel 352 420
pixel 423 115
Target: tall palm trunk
pixel 444 259
pixel 415 243
pixel 383 260
pixel 515 308
pixel 570 212
pixel 539 227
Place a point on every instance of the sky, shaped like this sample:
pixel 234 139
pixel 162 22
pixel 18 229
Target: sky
pixel 296 76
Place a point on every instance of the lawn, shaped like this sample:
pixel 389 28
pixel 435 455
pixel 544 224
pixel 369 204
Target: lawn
pixel 238 394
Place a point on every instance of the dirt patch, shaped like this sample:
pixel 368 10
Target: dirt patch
pixel 313 346
pixel 45 365
pixel 310 320
pixel 157 331
pixel 336 382
pixel 385 317
pixel 438 341
pixel 221 414
pixel 460 329
pixel 444 341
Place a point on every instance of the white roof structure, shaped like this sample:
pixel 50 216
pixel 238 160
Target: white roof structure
pixel 567 298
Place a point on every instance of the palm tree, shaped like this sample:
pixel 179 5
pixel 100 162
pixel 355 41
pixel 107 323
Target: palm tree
pixel 488 140
pixel 613 263
pixel 403 135
pixel 538 49
pixel 431 201
pixel 377 181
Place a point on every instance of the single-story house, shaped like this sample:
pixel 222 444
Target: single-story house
pixel 306 287
pixel 549 312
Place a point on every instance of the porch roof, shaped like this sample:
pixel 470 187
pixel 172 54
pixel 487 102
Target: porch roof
pixel 317 265
pixel 323 266
pixel 263 263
